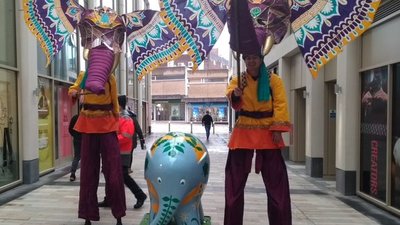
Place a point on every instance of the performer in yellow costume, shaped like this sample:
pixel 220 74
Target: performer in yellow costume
pixel 98 123
pixel 261 102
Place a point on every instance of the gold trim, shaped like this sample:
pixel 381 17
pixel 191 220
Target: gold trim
pixel 63 17
pixel 309 15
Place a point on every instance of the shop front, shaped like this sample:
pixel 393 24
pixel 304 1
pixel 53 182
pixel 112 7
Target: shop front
pixel 218 111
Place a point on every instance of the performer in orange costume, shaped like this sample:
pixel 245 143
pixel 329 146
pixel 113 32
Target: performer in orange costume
pixel 98 123
pixel 263 116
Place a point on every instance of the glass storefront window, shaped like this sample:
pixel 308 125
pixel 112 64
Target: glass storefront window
pixel 9 157
pixel 7 33
pixel 395 166
pixel 65 63
pixel 373 144
pixel 41 62
pixel 64 110
pixel 218 111
pixel 46 151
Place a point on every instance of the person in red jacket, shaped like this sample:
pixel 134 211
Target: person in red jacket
pixel 125 140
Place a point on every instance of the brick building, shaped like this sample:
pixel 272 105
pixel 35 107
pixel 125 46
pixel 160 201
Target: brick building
pixel 181 94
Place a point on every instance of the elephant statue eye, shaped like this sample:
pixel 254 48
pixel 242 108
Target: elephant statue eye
pixel 159 180
pixel 182 182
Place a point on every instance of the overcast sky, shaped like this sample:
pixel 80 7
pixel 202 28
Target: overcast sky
pixel 222 43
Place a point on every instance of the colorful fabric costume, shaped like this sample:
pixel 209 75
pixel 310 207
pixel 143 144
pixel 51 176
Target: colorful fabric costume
pixel 253 131
pixel 98 123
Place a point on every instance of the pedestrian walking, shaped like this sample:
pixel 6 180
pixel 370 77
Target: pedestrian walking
pixel 207 121
pixel 77 141
pixel 125 140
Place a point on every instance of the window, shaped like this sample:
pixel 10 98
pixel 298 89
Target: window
pixel 7 33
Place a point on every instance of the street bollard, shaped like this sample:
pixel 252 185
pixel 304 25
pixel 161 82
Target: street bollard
pixel 191 127
pixel 169 126
pixel 213 128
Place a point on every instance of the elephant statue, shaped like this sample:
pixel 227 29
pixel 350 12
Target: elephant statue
pixel 176 170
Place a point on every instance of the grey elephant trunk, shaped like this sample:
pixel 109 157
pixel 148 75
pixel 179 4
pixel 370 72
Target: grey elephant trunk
pixel 101 61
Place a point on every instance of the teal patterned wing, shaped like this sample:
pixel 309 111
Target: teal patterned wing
pixel 198 24
pixel 323 27
pixel 52 22
pixel 150 41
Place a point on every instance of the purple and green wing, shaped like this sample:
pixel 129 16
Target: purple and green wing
pixel 322 27
pixel 197 23
pixel 150 41
pixel 52 22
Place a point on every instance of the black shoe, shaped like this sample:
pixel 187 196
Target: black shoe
pixel 140 201
pixel 104 203
pixel 72 177
pixel 87 222
pixel 119 222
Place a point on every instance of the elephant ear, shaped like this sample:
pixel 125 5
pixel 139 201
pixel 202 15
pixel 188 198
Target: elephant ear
pixel 198 24
pixel 322 28
pixel 52 22
pixel 150 41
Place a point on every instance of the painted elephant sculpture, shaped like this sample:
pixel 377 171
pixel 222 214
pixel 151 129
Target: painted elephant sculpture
pixel 176 171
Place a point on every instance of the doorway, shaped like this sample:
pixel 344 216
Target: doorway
pixel 329 162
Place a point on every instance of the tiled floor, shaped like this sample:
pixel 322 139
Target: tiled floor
pixel 314 201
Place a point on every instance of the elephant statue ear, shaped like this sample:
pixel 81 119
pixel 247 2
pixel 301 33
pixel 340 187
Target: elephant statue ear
pixel 197 23
pixel 323 28
pixel 151 42
pixel 52 22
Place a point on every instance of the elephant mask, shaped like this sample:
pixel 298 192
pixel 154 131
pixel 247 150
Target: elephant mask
pixel 176 171
pixel 260 23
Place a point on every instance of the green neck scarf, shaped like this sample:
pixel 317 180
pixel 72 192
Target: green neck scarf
pixel 263 90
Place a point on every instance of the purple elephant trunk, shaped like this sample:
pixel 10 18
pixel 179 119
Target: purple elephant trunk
pixel 101 61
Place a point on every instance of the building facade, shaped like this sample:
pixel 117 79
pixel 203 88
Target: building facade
pixel 35 109
pixel 346 124
pixel 181 94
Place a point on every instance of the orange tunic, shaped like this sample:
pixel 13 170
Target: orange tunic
pixel 97 120
pixel 255 133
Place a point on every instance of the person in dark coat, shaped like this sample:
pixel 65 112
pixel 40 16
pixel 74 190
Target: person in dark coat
pixel 77 140
pixel 138 134
pixel 207 121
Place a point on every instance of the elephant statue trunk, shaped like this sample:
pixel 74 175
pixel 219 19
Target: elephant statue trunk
pixel 176 171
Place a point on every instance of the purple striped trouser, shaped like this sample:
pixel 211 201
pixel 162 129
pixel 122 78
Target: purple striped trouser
pixel 274 174
pixel 106 146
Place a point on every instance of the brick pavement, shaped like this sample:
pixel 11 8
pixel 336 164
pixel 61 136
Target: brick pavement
pixel 54 200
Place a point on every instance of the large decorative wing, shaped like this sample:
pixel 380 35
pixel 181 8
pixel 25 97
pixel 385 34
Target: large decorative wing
pixel 52 22
pixel 323 27
pixel 198 24
pixel 150 41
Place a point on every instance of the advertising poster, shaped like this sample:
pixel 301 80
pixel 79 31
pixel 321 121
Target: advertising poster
pixel 64 116
pixel 373 144
pixel 395 167
pixel 45 126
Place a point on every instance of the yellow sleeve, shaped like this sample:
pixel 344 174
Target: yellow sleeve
pixel 114 95
pixel 233 83
pixel 280 105
pixel 77 84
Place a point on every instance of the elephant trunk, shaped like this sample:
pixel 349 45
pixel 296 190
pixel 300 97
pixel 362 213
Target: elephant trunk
pixel 101 61
pixel 168 206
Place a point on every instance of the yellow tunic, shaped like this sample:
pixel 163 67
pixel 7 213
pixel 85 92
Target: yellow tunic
pixel 255 133
pixel 97 120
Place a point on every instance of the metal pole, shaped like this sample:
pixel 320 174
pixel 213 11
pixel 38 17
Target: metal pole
pixel 191 127
pixel 169 126
pixel 236 14
pixel 213 124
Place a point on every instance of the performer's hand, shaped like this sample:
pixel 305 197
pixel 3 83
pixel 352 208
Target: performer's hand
pixel 73 93
pixel 237 92
pixel 276 137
